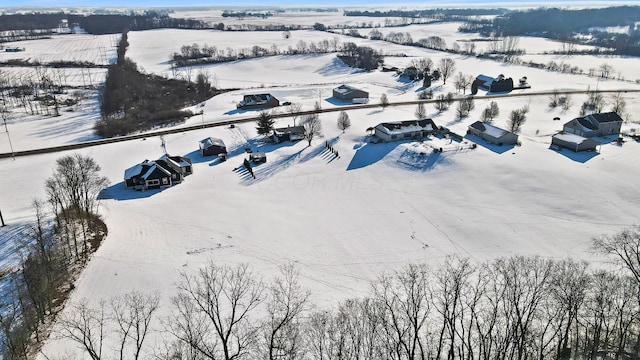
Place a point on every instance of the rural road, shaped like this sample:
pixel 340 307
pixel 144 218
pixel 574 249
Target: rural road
pixel 85 144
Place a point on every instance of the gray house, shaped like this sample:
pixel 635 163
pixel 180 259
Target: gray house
pixel 349 93
pixel 258 101
pixel 574 142
pixel 409 129
pixel 289 133
pixel 492 134
pixel 601 124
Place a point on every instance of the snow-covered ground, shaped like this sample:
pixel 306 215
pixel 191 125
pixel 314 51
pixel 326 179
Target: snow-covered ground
pixel 341 221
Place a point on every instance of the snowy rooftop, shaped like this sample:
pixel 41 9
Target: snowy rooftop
pixel 572 138
pixel 489 129
pixel 210 141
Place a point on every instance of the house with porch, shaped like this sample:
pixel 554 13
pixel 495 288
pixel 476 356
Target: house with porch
pixel 400 130
pixel 147 175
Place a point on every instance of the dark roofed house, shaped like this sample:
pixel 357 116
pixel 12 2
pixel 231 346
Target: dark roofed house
pixel 258 101
pixel 147 175
pixel 212 146
pixel 492 134
pixel 409 129
pixel 349 93
pixel 164 172
pixel 289 133
pixel 574 142
pixel 601 124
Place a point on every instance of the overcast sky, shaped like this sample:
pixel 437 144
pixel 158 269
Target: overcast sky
pixel 323 3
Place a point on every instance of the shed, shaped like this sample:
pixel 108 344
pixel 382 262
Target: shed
pixel 574 142
pixel 258 157
pixel 492 134
pixel 212 146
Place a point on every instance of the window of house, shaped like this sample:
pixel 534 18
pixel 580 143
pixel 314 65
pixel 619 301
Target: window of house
pixel 393 137
pixel 165 181
pixel 153 182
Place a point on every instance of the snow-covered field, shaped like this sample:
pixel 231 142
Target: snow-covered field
pixel 341 221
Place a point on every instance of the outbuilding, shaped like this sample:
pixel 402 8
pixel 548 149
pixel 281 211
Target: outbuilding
pixel 258 101
pixel 349 93
pixel 574 142
pixel 212 146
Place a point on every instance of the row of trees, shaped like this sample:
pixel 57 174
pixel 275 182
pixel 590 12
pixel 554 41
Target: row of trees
pixel 56 253
pixel 196 54
pixel 511 308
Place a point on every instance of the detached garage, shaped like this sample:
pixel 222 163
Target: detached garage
pixel 349 94
pixel 574 142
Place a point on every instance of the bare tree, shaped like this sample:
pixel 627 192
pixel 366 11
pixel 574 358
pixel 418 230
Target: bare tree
pixel 462 82
pixel 490 112
pixel 605 71
pixel 404 298
pixel 446 66
pixel 420 112
pixel 554 99
pixel 294 110
pixel 286 305
pixel 85 326
pixel 132 314
pixel 214 307
pixel 343 121
pixel 312 127
pixel 451 282
pixel 618 104
pixel 465 106
pixel 384 101
pixel 624 246
pixel 516 119
pixel 441 104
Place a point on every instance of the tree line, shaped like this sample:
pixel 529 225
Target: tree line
pixel 66 230
pixel 133 101
pixel 563 24
pixel 518 307
pixel 98 24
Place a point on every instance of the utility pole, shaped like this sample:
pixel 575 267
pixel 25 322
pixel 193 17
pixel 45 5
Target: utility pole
pixel 1 218
pixel 5 114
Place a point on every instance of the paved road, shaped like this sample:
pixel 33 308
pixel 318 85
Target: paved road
pixel 85 144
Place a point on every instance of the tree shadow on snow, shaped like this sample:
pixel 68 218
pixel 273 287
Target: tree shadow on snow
pixel 369 153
